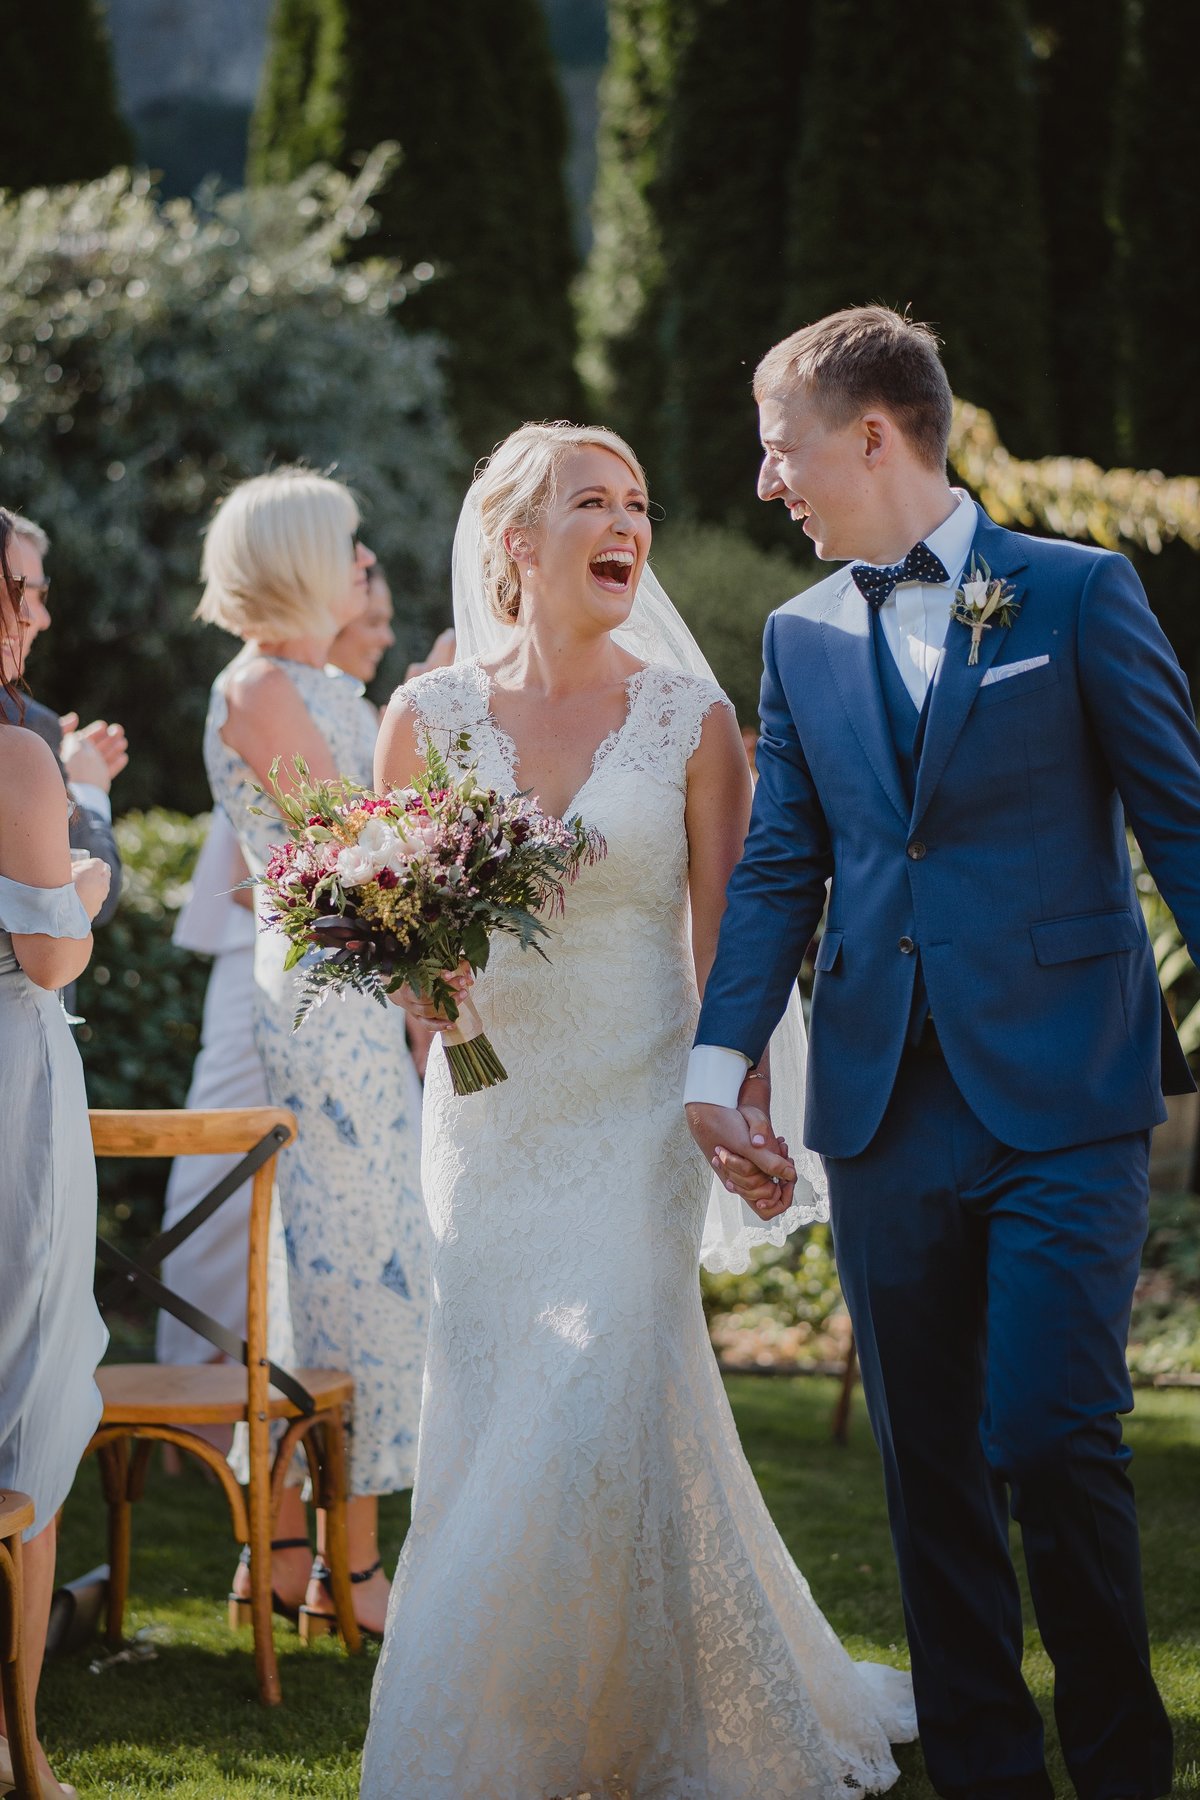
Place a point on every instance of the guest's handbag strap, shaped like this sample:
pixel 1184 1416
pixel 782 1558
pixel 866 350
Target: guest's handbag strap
pixel 130 1275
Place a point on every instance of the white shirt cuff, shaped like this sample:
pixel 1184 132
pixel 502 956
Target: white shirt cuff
pixel 714 1076
pixel 94 798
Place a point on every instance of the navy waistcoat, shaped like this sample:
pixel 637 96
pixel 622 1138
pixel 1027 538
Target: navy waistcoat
pixel 907 727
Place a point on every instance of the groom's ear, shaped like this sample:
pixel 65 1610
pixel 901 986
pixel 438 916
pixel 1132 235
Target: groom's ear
pixel 878 438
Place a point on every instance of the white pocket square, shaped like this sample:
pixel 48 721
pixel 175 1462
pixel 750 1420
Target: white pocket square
pixel 1017 668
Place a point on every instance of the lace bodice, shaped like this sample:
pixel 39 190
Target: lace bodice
pixel 665 714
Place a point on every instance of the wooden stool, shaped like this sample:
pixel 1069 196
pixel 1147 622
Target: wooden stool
pixel 16 1515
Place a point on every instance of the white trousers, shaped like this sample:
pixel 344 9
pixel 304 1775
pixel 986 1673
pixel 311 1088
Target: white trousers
pixel 210 1268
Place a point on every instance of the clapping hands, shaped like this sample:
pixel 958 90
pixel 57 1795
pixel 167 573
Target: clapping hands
pixel 94 755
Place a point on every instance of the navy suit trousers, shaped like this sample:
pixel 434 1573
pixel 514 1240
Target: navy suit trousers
pixel 990 1291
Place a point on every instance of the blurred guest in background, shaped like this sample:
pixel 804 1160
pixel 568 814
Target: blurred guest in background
pixel 439 657
pixel 217 920
pixel 284 570
pixel 51 1334
pixel 362 643
pixel 90 758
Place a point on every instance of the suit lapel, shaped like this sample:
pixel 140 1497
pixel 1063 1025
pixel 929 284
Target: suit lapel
pixel 956 683
pixel 846 636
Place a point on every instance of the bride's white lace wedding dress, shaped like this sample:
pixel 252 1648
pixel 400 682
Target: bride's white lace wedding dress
pixel 592 1597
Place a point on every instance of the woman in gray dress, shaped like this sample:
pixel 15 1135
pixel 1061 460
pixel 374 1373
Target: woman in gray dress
pixel 51 1334
pixel 284 570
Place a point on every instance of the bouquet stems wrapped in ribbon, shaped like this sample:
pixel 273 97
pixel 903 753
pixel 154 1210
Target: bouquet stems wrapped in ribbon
pixel 379 891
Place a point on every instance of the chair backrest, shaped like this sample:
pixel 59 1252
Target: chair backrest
pixel 180 1132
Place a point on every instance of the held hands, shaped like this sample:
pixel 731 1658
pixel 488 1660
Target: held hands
pixel 91 877
pixel 740 1143
pixel 96 755
pixel 424 1011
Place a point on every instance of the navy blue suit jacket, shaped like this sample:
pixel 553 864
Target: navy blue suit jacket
pixel 1009 875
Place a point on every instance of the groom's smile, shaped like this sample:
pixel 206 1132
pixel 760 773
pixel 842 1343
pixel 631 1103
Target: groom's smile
pixel 809 466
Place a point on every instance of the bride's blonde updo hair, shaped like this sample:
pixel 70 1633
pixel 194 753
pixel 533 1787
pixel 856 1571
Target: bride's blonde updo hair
pixel 514 488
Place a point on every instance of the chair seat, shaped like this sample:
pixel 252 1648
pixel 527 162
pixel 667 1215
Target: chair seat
pixel 16 1513
pixel 203 1393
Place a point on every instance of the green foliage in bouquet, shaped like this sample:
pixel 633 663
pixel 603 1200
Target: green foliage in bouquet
pixel 151 355
pixel 398 889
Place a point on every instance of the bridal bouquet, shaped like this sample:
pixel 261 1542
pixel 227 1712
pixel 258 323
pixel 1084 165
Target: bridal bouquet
pixel 378 891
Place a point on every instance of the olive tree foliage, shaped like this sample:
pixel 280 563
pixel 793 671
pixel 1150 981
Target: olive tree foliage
pixel 152 355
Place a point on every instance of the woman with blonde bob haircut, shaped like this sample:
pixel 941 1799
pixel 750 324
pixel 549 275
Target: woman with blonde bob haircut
pixel 284 570
pixel 592 1597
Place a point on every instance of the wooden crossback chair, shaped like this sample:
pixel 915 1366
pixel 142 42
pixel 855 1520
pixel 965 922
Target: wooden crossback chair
pixel 16 1515
pixel 149 1402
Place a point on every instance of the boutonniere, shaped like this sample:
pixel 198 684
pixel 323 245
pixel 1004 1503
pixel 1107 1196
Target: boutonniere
pixel 981 602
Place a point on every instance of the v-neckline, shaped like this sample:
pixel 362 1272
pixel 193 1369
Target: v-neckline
pixel 600 755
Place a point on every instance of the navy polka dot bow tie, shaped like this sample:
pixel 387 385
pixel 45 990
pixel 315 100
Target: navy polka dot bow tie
pixel 921 564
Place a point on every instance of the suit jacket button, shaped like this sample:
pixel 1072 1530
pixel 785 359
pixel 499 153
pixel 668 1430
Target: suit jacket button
pixel 906 946
pixel 916 850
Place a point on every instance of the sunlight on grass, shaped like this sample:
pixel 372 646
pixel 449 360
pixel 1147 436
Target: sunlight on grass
pixel 186 1721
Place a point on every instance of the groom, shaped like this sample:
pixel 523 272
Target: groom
pixel 989 1046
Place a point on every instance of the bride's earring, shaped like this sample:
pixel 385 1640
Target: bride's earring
pixel 529 571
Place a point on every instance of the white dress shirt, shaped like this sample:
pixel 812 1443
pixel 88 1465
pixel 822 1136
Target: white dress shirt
pixel 914 619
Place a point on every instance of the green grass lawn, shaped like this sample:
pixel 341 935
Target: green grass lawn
pixel 187 1722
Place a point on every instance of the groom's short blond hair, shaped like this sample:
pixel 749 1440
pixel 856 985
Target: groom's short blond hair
pixel 861 357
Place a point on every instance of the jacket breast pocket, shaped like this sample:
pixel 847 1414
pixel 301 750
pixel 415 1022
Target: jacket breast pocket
pixel 829 952
pixel 1015 687
pixel 1088 934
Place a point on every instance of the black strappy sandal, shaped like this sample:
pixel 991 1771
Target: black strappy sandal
pixel 240 1612
pixel 315 1624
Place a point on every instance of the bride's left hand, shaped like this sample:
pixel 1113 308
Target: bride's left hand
pixel 746 1155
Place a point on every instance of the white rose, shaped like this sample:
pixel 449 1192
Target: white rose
pixel 975 592
pixel 355 867
pixel 377 840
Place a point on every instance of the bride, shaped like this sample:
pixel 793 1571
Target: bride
pixel 592 1599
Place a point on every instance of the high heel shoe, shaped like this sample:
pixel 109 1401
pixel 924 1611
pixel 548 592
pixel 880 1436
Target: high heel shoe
pixel 315 1623
pixel 48 1789
pixel 240 1609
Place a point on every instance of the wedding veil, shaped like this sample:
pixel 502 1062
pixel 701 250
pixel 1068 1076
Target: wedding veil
pixel 655 633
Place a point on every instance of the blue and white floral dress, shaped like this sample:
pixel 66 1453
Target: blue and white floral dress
pixel 349 1187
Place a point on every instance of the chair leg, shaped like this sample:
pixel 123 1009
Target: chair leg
pixel 14 1683
pixel 114 1477
pixel 337 1547
pixel 265 1662
pixel 840 1429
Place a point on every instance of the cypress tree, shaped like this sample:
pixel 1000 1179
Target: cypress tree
pixel 622 290
pixel 735 102
pixel 915 184
pixel 60 121
pixel 1078 81
pixel 1160 202
pixel 469 91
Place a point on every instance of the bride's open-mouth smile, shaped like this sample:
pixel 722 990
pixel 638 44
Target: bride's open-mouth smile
pixel 612 568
